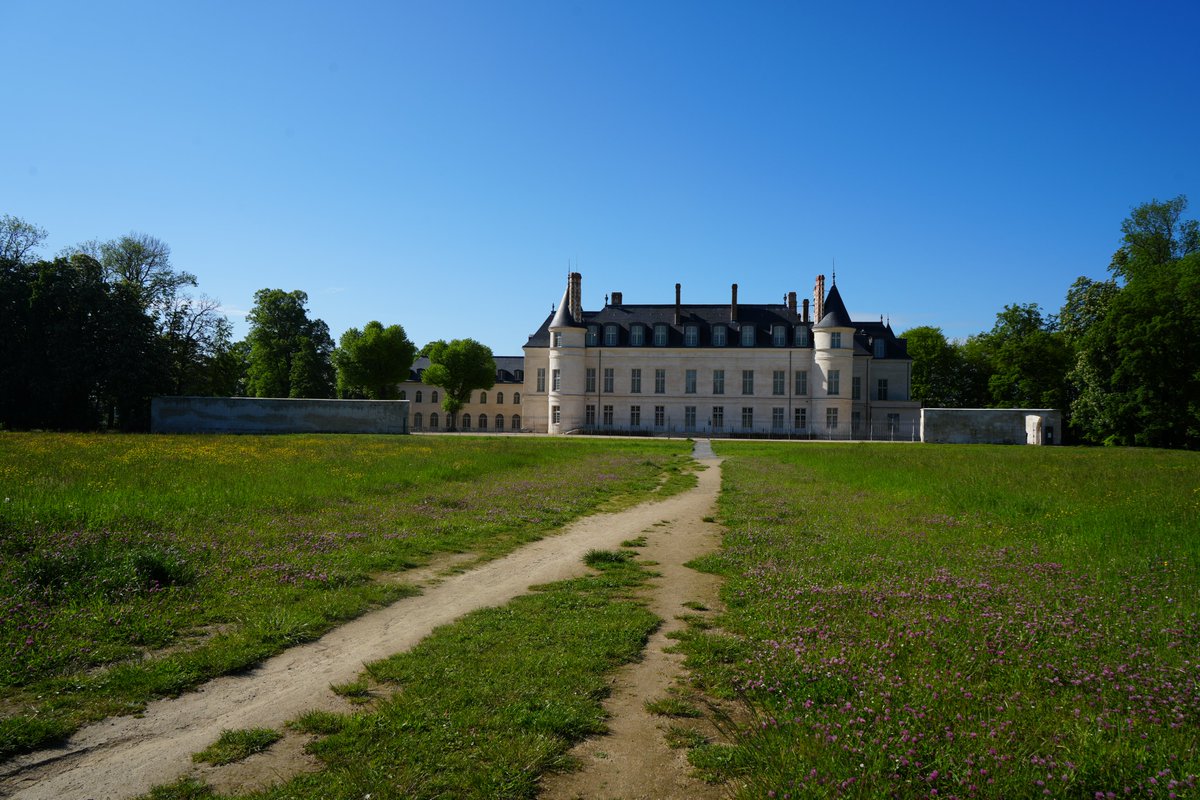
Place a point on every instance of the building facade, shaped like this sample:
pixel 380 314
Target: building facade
pixel 728 369
pixel 498 409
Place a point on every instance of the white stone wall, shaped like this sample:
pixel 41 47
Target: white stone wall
pixel 990 425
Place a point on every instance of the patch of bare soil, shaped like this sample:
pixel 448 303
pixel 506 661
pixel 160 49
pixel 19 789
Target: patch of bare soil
pixel 633 760
pixel 124 757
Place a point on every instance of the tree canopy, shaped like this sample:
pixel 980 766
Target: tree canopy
pixel 289 354
pixel 459 367
pixel 372 362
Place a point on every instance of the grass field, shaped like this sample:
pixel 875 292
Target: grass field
pixel 916 621
pixel 133 567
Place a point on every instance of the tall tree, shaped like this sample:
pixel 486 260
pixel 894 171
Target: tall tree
pixel 459 367
pixel 18 239
pixel 1027 358
pixel 937 370
pixel 371 362
pixel 290 355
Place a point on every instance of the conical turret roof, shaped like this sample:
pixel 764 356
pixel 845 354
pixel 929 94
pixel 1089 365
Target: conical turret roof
pixel 836 315
pixel 562 317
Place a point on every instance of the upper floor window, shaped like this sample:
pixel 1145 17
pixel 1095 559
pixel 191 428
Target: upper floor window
pixel 516 398
pixel 555 380
pixel 608 379
pixel 635 380
pixel 835 340
pixel 778 381
pixel 593 335
pixel 541 379
pixel 834 382
pixel 521 375
pixel 660 381
pixel 691 335
pixel 801 336
pixel 747 381
pixel 801 381
pixel 610 335
pixel 403 395
pixel 748 336
pixel 880 347
pixel 689 381
pixel 718 335
pixel 660 335
pixel 433 397
pixel 418 395
pixel 637 335
pixel 483 398
pixel 882 389
pixel 500 398
pixel 718 381
pixel 779 336
pixel 856 388
pixel 557 339
pixel 590 380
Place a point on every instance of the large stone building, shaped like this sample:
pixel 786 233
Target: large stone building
pixel 496 409
pixel 718 369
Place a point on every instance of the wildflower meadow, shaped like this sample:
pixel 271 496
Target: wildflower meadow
pixel 928 621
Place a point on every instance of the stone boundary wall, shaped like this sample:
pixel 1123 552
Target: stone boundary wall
pixel 991 425
pixel 276 415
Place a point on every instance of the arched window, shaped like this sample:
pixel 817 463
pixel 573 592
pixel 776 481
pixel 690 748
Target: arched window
pixel 433 398
pixel 483 398
pixel 516 398
pixel 466 422
pixel 418 395
pixel 417 421
pixel 483 422
pixel 403 395
pixel 516 423
pixel 499 398
pixel 433 421
pixel 499 422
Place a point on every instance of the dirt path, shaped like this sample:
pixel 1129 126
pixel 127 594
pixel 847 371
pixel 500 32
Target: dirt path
pixel 125 756
pixel 634 761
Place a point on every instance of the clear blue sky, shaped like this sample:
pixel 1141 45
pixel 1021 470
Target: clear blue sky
pixel 438 164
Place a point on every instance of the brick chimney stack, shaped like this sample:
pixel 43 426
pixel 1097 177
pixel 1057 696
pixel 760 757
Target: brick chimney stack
pixel 616 298
pixel 576 297
pixel 804 318
pixel 791 302
pixel 733 305
pixel 819 299
pixel 678 314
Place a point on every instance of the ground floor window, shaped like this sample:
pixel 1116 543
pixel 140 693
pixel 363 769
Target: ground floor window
pixel 660 416
pixel 589 415
pixel 776 417
pixel 555 414
pixel 718 417
pixel 800 421
pixel 689 418
pixel 417 421
pixel 499 422
pixel 516 424
pixel 635 416
pixel 831 418
pixel 483 422
pixel 466 422
pixel 608 415
pixel 433 421
pixel 747 417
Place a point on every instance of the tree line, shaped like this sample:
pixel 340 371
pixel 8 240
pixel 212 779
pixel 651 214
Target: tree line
pixel 1121 358
pixel 89 336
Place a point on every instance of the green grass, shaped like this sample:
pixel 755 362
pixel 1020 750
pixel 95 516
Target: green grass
pixel 136 567
pixel 971 621
pixel 673 707
pixel 237 745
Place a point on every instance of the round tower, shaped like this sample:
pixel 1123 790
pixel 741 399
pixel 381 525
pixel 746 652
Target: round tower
pixel 833 363
pixel 565 392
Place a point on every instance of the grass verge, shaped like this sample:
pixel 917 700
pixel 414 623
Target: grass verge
pixel 237 745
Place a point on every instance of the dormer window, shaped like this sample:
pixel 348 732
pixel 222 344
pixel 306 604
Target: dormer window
pixel 660 335
pixel 718 335
pixel 835 340
pixel 637 335
pixel 610 335
pixel 748 336
pixel 691 335
pixel 593 335
pixel 801 336
pixel 779 336
pixel 880 347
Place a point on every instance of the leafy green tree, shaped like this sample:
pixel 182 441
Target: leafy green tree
pixel 290 355
pixel 1027 360
pixel 371 362
pixel 937 370
pixel 459 367
pixel 18 239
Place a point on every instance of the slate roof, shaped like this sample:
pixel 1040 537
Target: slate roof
pixel 509 369
pixel 836 315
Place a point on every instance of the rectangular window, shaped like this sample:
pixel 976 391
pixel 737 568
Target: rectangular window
pixel 637 335
pixel 801 336
pixel 779 336
pixel 834 385
pixel 689 382
pixel 635 416
pixel 593 336
pixel 856 388
pixel 880 347
pixel 747 417
pixel 802 381
pixel 555 415
pixel 660 381
pixel 635 381
pixel 689 418
pixel 778 381
pixel 881 389
pixel 541 379
pixel 718 335
pixel 660 335
pixel 557 339
pixel 660 416
pixel 691 336
pixel 608 380
pixel 608 415
pixel 801 419
pixel 831 418
pixel 610 335
pixel 747 381
pixel 718 417
pixel 589 415
pixel 555 379
pixel 835 340
pixel 776 417
pixel 747 336
pixel 591 380
pixel 718 381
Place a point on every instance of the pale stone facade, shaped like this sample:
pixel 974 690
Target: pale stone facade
pixel 730 369
pixel 499 409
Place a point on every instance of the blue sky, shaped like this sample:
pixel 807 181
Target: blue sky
pixel 440 164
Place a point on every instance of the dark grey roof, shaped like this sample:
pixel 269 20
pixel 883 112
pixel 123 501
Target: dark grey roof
pixel 509 369
pixel 562 317
pixel 836 315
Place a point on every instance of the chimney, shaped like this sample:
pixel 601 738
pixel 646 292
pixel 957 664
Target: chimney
pixel 678 315
pixel 616 299
pixel 733 305
pixel 819 299
pixel 792 302
pixel 576 297
pixel 805 307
